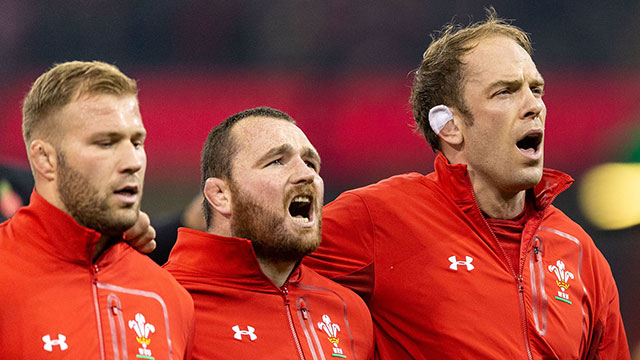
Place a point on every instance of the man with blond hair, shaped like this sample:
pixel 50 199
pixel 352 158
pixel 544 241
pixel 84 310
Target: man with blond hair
pixel 70 287
pixel 473 261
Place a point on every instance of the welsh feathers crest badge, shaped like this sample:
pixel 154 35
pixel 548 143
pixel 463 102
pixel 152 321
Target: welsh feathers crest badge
pixel 563 276
pixel 143 329
pixel 332 330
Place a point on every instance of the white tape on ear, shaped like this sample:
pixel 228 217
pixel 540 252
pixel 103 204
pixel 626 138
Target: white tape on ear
pixel 439 116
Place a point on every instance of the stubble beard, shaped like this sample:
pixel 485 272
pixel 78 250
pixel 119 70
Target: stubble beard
pixel 272 241
pixel 87 206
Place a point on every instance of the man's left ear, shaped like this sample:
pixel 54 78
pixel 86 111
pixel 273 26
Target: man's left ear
pixel 451 133
pixel 218 194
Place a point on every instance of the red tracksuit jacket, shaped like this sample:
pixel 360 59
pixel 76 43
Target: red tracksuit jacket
pixel 242 314
pixel 57 304
pixel 438 285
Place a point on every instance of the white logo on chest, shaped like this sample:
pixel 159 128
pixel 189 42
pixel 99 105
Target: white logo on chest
pixel 60 341
pixel 239 333
pixel 455 263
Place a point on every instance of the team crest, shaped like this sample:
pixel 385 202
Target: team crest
pixel 563 277
pixel 332 331
pixel 142 329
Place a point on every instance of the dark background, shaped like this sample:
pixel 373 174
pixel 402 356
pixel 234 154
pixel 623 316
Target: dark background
pixel 342 69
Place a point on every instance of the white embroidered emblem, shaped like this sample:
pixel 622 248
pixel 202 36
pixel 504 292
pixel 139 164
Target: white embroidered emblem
pixel 60 341
pixel 455 263
pixel 250 332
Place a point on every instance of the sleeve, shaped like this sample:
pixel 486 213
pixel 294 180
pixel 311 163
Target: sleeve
pixel 614 339
pixel 608 337
pixel 346 254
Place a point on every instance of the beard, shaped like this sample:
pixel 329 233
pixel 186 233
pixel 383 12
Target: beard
pixel 87 206
pixel 267 230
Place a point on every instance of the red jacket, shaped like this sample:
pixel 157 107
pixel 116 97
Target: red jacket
pixel 438 285
pixel 242 314
pixel 57 304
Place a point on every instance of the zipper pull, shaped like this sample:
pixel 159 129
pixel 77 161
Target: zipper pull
pixel 536 248
pixel 303 309
pixel 520 284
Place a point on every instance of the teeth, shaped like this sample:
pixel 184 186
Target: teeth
pixel 301 198
pixel 301 219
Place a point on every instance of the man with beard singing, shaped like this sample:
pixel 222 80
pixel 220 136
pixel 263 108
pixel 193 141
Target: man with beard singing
pixel 263 206
pixel 69 286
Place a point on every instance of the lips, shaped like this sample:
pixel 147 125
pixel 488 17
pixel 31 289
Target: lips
pixel 530 144
pixel 127 194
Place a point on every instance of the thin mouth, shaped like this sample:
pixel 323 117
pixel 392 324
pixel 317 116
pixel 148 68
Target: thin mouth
pixel 531 141
pixel 301 208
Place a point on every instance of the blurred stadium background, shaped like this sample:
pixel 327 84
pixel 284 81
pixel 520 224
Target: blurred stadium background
pixel 342 69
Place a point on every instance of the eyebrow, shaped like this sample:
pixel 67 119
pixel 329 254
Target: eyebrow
pixel 285 148
pixel 312 154
pixel 538 81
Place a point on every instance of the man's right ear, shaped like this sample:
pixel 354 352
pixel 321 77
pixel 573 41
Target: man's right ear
pixel 44 159
pixel 451 133
pixel 218 194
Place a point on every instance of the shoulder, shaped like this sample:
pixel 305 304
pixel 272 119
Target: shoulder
pixel 313 280
pixel 160 280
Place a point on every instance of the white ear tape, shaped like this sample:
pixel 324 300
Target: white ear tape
pixel 439 116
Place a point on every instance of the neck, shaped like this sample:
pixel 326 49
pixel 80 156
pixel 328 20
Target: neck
pixel 496 204
pixel 103 244
pixel 277 272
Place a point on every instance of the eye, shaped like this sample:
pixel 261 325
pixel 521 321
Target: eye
pixel 538 90
pixel 138 144
pixel 312 165
pixel 104 144
pixel 275 162
pixel 502 92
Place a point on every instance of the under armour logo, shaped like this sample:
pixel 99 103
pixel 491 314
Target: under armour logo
pixel 455 263
pixel 238 333
pixel 49 344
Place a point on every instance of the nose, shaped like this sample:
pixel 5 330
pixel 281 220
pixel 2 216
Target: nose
pixel 533 105
pixel 133 158
pixel 302 173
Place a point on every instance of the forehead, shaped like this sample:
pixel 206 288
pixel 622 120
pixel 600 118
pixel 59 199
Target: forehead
pixel 498 58
pixel 256 135
pixel 102 112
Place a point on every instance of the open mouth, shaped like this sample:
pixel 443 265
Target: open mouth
pixel 300 208
pixel 127 194
pixel 127 190
pixel 531 142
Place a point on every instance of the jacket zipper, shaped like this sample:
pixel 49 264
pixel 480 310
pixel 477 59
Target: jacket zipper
pixel 94 279
pixel 518 276
pixel 285 295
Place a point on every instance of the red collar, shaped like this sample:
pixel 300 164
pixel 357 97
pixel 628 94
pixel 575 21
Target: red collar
pixel 454 178
pixel 56 232
pixel 220 257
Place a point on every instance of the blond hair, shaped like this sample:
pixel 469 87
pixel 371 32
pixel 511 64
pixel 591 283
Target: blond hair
pixel 64 83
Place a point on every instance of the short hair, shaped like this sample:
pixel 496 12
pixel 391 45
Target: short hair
pixel 439 78
pixel 66 82
pixel 220 148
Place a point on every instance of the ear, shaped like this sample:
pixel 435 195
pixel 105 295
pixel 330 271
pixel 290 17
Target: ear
pixel 451 133
pixel 44 159
pixel 217 193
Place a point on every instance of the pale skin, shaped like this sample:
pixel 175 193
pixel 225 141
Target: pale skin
pixel 102 137
pixel 274 155
pixel 503 90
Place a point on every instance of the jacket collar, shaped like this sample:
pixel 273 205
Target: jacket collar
pixel 456 182
pixel 56 232
pixel 220 257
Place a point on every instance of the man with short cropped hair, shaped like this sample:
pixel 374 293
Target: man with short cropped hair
pixel 263 208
